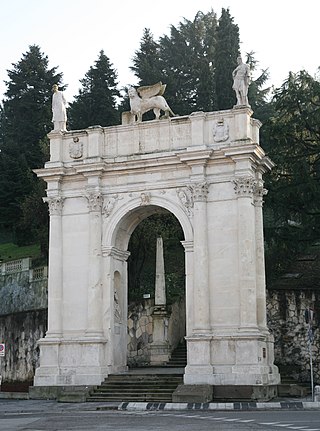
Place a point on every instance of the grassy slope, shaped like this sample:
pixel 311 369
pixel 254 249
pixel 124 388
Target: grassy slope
pixel 10 251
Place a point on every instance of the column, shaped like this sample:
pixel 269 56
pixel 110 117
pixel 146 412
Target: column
pixel 188 252
pixel 55 282
pixel 94 311
pixel 244 187
pixel 259 192
pixel 201 293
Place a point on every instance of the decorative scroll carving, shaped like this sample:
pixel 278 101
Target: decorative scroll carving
pixel 186 198
pixel 55 205
pixel 220 131
pixel 76 149
pixel 109 204
pixel 145 198
pixel 200 192
pixel 94 201
pixel 244 186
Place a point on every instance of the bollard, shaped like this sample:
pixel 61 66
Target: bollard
pixel 317 393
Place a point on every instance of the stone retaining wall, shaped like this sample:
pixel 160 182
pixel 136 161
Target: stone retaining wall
pixel 20 333
pixel 140 327
pixel 285 310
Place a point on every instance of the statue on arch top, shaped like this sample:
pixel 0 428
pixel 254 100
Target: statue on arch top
pixel 59 112
pixel 149 98
pixel 241 81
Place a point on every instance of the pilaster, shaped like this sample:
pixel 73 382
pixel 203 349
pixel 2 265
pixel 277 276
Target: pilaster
pixel 55 268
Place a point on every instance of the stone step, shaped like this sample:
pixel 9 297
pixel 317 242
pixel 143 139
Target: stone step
pixel 132 387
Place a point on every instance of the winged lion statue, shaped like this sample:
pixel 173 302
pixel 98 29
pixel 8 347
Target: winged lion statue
pixel 143 99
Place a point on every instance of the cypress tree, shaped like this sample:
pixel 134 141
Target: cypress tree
pixel 96 102
pixel 227 51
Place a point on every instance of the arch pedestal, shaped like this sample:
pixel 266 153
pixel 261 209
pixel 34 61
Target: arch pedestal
pixel 101 183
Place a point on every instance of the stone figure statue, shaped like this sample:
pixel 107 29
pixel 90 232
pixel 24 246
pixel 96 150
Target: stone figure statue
pixel 59 112
pixel 146 98
pixel 241 81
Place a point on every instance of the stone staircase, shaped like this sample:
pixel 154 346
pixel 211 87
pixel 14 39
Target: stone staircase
pixel 137 387
pixel 289 387
pixel 179 357
pixel 142 384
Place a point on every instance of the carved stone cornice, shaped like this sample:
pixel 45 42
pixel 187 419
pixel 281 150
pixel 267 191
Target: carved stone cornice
pixel 94 201
pixel 55 205
pixel 244 186
pixel 200 191
pixel 115 252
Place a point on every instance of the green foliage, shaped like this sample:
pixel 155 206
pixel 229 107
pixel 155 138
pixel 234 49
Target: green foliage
pixel 10 251
pixel 141 263
pixel 227 51
pixel 146 62
pixel 25 120
pixel 292 210
pixel 96 102
pixel 195 60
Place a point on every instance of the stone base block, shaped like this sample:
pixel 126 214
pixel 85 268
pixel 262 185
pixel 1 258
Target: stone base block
pixel 245 392
pixel 193 394
pixel 159 354
pixel 67 394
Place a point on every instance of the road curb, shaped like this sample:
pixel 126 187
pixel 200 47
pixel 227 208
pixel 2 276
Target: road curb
pixel 236 406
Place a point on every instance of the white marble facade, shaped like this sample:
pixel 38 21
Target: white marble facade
pixel 206 169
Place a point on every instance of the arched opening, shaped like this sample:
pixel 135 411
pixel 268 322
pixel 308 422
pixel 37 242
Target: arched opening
pixel 133 339
pixel 156 315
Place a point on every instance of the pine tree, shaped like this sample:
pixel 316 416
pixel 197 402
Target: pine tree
pixel 227 51
pixel 25 121
pixel 96 102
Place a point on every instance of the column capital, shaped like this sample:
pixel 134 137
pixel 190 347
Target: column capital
pixel 244 186
pixel 94 201
pixel 258 192
pixel 55 204
pixel 200 191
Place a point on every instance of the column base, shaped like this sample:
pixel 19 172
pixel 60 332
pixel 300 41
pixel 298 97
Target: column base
pixel 239 359
pixel 71 362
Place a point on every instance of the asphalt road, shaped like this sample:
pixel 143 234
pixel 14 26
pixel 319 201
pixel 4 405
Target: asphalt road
pixel 51 416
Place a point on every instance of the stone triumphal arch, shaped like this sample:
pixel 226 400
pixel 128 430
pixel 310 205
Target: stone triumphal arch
pixel 206 169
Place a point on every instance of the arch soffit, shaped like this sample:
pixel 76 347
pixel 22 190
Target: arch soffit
pixel 127 217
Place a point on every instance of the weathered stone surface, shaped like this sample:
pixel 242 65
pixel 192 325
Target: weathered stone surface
pixel 21 332
pixel 193 394
pixel 212 183
pixel 285 311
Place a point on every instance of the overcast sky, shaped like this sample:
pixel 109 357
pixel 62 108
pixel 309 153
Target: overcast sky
pixel 284 34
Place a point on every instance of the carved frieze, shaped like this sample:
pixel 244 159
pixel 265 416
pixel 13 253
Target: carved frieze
pixel 55 205
pixel 186 198
pixel 244 186
pixel 109 204
pixel 145 198
pixel 76 149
